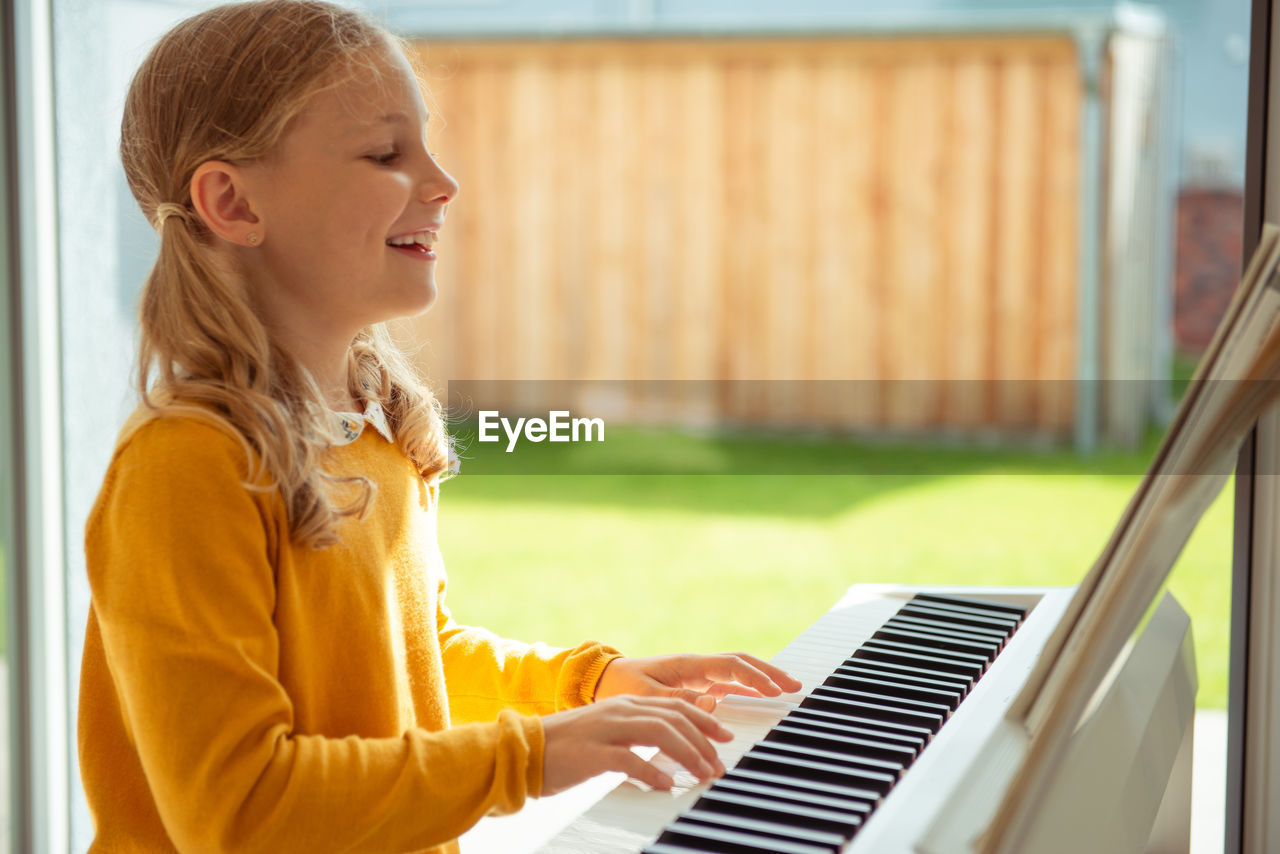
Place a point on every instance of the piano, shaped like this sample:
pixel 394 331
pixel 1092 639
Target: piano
pixel 899 742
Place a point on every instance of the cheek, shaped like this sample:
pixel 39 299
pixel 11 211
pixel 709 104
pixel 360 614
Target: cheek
pixel 377 212
pixel 386 196
pixel 345 222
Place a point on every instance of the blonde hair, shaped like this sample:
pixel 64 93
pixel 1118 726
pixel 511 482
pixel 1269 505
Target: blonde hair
pixel 224 85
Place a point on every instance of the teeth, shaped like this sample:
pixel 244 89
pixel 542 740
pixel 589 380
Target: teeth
pixel 426 238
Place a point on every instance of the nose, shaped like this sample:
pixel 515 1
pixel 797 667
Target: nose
pixel 437 185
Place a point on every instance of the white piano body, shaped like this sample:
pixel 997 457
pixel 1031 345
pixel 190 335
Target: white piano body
pixel 1124 787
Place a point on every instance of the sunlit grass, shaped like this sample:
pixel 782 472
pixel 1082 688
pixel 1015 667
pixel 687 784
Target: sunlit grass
pixel 707 562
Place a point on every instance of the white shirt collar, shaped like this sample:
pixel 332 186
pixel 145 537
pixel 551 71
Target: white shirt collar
pixel 349 425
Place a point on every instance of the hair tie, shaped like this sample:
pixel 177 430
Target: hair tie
pixel 168 209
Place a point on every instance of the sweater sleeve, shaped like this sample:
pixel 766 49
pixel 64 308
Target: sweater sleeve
pixel 486 673
pixel 180 567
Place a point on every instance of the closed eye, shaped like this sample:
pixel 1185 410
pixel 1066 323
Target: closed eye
pixel 385 159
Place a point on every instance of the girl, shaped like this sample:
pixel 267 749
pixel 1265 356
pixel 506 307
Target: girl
pixel 269 663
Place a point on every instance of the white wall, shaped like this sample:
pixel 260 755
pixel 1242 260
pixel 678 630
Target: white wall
pixel 105 250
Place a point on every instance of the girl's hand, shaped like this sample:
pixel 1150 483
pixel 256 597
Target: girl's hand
pixel 590 740
pixel 698 679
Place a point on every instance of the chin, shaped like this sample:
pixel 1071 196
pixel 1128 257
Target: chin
pixel 408 299
pixel 426 299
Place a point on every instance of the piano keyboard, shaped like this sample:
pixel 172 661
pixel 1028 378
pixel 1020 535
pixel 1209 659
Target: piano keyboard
pixel 611 815
pixel 809 785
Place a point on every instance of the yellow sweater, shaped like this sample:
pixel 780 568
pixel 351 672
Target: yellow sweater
pixel 242 693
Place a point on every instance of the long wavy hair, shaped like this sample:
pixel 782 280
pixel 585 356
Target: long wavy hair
pixel 224 85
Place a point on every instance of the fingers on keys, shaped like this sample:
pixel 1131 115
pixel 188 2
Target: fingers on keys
pixel 750 672
pixel 680 730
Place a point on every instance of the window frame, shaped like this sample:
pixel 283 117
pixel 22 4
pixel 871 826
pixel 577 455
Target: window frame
pixel 39 730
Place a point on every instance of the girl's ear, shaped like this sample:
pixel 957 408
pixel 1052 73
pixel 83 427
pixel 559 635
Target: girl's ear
pixel 219 193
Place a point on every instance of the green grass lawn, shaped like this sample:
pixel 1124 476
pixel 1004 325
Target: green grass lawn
pixel 697 559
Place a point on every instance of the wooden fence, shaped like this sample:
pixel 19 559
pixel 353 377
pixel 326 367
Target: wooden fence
pixel 874 209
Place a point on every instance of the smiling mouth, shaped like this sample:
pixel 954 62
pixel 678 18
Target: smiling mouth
pixel 417 249
pixel 419 244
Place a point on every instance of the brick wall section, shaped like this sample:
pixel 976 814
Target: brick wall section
pixel 1209 245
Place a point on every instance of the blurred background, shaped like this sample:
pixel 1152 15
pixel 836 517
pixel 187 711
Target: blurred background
pixel 877 295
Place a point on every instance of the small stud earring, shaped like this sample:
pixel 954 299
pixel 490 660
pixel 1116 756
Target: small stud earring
pixel 252 237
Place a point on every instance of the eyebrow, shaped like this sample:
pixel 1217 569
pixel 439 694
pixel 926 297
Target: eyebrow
pixel 393 118
pixel 398 117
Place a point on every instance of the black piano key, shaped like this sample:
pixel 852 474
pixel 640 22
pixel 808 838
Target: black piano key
pixel 808 769
pixel 807 797
pixel 962 617
pixel 827 839
pixel 935 654
pixel 802 714
pixel 814 791
pixel 982 604
pixel 868 652
pixel 996 636
pixel 993 640
pixel 890 651
pixel 988 647
pixel 781 811
pixel 910 674
pixel 668 848
pixel 947 683
pixel 818 754
pixel 858 682
pixel 872 730
pixel 720 840
pixel 933 640
pixel 826 698
pixel 884 698
pixel 865 746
